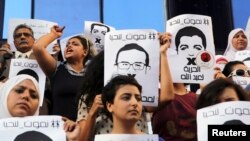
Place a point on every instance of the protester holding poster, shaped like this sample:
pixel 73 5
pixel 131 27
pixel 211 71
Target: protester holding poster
pixel 19 92
pixel 90 116
pixel 123 92
pixel 20 96
pixel 65 77
pixel 237 41
pixel 181 105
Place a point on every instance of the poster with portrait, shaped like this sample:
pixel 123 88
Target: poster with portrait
pixel 226 113
pixel 126 137
pixel 192 48
pixel 96 31
pixel 30 67
pixel 32 128
pixel 63 43
pixel 134 53
pixel 39 27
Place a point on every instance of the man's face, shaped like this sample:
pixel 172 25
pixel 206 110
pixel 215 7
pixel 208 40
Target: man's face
pixel 190 46
pixel 23 40
pixel 131 65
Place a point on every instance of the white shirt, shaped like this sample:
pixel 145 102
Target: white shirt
pixel 19 54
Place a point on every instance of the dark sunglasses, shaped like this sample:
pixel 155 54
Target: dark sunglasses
pixel 239 72
pixel 18 35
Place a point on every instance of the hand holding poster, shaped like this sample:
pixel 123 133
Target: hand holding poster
pixel 192 47
pixel 46 128
pixel 134 53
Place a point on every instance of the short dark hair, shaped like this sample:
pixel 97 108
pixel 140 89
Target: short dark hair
pixel 110 89
pixel 130 47
pixel 23 26
pixel 32 135
pixel 212 91
pixel 98 24
pixel 29 72
pixel 189 31
pixel 229 67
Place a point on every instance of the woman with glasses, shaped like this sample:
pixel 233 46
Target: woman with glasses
pixel 65 77
pixel 236 68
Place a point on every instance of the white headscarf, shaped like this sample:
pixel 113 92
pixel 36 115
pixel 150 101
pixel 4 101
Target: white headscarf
pixel 5 91
pixel 230 50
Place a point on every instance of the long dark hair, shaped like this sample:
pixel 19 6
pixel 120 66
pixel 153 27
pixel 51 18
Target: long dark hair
pixel 93 79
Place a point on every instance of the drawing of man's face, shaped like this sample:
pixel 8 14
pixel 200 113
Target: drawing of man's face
pixel 190 41
pixel 190 46
pixel 98 31
pixel 132 61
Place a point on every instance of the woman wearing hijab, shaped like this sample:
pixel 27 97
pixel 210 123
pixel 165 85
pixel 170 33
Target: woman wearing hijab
pixel 20 97
pixel 237 41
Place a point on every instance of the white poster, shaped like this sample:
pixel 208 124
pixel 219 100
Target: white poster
pixel 39 27
pixel 30 67
pixel 97 31
pixel 42 128
pixel 126 137
pixel 192 52
pixel 134 53
pixel 244 56
pixel 222 114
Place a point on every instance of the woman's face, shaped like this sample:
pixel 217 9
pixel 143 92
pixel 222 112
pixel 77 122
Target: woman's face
pixel 74 48
pixel 229 94
pixel 23 99
pixel 239 41
pixel 127 104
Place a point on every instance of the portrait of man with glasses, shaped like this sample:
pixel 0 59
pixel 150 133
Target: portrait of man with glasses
pixel 132 65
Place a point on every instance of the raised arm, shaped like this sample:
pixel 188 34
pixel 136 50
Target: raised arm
pixel 44 58
pixel 88 125
pixel 167 87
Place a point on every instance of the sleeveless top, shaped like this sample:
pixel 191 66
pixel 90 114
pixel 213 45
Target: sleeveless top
pixel 65 87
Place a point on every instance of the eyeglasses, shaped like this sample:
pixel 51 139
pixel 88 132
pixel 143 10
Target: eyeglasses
pixel 18 35
pixel 239 72
pixel 126 65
